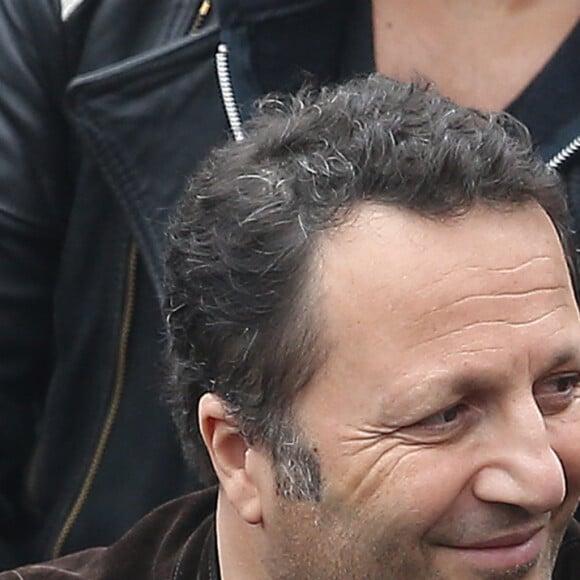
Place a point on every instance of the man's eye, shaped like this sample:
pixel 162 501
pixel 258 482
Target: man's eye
pixel 555 394
pixel 447 419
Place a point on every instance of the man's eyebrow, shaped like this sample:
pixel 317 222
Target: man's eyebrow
pixel 565 356
pixel 474 379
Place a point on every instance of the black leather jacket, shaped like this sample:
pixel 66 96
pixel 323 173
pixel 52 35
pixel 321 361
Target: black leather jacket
pixel 103 114
pixel 105 108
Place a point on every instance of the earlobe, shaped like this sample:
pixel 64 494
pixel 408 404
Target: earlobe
pixel 232 458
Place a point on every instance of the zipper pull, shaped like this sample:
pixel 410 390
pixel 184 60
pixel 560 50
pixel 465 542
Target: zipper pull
pixel 203 10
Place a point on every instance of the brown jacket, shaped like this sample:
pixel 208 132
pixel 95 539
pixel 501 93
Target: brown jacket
pixel 174 542
pixel 177 542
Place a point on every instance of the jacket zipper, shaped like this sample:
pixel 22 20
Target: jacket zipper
pixel 128 310
pixel 560 158
pixel 227 92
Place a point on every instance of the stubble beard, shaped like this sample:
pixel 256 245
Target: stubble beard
pixel 321 540
pixel 312 540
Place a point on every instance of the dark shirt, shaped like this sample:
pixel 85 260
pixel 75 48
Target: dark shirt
pixel 551 100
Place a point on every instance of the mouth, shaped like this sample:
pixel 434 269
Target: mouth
pixel 513 550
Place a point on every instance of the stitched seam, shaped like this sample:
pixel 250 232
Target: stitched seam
pixel 123 178
pixel 177 570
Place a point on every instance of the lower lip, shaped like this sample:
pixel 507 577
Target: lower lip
pixel 506 556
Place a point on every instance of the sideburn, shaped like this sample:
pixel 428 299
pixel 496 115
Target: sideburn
pixel 296 464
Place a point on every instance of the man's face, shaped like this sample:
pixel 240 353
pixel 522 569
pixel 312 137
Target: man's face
pixel 447 416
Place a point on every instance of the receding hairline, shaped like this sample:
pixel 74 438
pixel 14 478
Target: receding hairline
pixel 313 291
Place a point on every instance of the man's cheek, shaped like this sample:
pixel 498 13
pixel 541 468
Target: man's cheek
pixel 565 441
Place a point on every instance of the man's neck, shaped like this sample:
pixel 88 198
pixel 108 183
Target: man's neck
pixel 237 543
pixel 481 53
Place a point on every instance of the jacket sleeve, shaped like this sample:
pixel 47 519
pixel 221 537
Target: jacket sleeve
pixel 34 194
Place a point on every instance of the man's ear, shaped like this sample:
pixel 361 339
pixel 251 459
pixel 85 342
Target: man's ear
pixel 233 459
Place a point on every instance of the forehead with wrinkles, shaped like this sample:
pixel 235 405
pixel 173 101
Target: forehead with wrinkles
pixel 411 281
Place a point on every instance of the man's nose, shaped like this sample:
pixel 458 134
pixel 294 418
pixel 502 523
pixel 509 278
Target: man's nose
pixel 520 467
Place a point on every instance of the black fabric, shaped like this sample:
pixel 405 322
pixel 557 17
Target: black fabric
pixel 568 562
pixel 103 117
pixel 234 13
pixel 552 98
pixel 549 106
pixel 357 57
pixel 314 58
pixel 266 56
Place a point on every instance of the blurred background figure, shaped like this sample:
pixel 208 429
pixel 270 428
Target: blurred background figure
pixel 106 106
